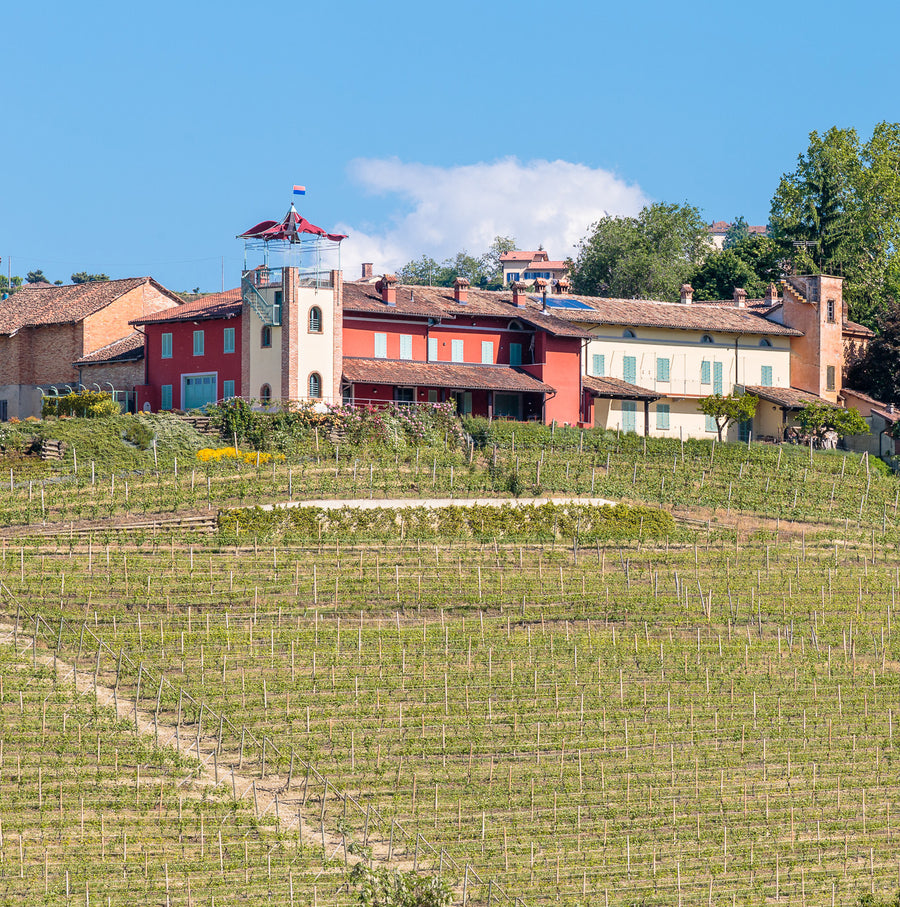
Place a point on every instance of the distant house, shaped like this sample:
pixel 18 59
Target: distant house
pixel 526 267
pixel 48 334
pixel 719 230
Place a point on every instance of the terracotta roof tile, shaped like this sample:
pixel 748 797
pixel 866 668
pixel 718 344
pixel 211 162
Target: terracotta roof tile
pixel 33 306
pixel 216 305
pixel 788 397
pixel 438 302
pixel 128 349
pixel 851 327
pixel 616 389
pixel 727 319
pixel 442 374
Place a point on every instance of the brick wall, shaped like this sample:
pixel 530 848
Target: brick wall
pixel 111 323
pixel 290 330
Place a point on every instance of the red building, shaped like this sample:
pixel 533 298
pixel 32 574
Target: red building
pixel 496 354
pixel 192 353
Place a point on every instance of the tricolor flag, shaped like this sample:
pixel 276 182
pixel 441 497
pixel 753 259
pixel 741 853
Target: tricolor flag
pixel 299 190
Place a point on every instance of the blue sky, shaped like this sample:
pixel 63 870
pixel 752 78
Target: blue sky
pixel 140 138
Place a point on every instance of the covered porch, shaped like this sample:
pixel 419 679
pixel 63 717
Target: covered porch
pixel 601 393
pixel 492 391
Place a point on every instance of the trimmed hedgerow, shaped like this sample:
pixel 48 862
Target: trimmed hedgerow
pixel 585 522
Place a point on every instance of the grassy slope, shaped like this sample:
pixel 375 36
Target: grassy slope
pixel 607 723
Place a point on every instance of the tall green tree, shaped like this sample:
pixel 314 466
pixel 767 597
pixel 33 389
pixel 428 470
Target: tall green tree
pixel 736 233
pixel 753 264
pixel 84 277
pixel 838 212
pixel 877 372
pixel 648 256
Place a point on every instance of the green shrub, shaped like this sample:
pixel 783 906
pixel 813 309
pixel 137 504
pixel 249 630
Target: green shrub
pixel 85 404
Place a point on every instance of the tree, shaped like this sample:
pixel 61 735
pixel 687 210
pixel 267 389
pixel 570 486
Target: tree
pixel 728 408
pixel 877 372
pixel 395 888
pixel 736 233
pixel 816 420
pixel 649 256
pixel 838 213
pixel 8 285
pixel 84 277
pixel 491 259
pixel 753 263
pixel 36 277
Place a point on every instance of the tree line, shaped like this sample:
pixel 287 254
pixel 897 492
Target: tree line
pixel 9 284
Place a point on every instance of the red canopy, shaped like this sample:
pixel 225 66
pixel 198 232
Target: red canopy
pixel 288 229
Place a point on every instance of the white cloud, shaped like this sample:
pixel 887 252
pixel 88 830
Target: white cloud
pixel 439 211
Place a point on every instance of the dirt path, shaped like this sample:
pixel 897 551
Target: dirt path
pixel 276 796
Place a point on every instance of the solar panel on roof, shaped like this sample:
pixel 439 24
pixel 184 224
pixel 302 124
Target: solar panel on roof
pixel 560 302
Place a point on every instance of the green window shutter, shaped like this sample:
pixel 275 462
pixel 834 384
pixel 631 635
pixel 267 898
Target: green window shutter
pixel 710 423
pixel 515 354
pixel 662 416
pixel 766 376
pixel 166 397
pixel 629 408
pixel 705 372
pixel 599 364
pixel 227 389
pixel 717 377
pixel 629 369
pixel 166 352
pixel 199 342
pixel 662 369
pixel 228 340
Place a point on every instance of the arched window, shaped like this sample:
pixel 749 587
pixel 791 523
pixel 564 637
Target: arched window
pixel 516 325
pixel 315 320
pixel 628 333
pixel 315 385
pixel 265 338
pixel 765 342
pixel 265 393
pixel 706 339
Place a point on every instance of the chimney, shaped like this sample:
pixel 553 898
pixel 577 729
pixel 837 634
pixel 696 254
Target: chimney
pixel 519 297
pixel 387 286
pixel 461 290
pixel 740 297
pixel 563 285
pixel 366 269
pixel 771 294
pixel 687 294
pixel 540 286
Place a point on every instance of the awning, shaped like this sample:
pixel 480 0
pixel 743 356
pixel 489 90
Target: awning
pixel 442 374
pixel 614 389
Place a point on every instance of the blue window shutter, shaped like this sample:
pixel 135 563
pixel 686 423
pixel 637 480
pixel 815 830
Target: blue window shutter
pixel 705 372
pixel 166 397
pixel 766 376
pixel 227 389
pixel 710 423
pixel 662 415
pixel 515 354
pixel 717 377
pixel 199 343
pixel 599 365
pixel 228 340
pixel 166 352
pixel 662 369
pixel 629 369
pixel 629 422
